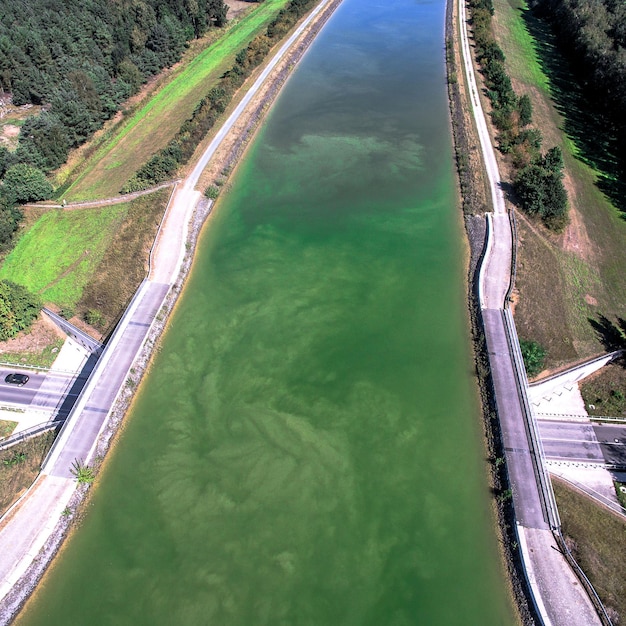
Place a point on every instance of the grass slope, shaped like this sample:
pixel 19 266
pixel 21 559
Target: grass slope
pixel 565 282
pixel 19 467
pixel 154 124
pixel 58 254
pixel 598 541
pixel 88 259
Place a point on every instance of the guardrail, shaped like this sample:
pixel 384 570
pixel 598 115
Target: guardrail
pixel 580 418
pixel 92 379
pixel 27 433
pixel 534 440
pixel 611 356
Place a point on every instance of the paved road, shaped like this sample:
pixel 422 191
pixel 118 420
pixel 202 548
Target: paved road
pixel 45 391
pixel 557 594
pixel 580 442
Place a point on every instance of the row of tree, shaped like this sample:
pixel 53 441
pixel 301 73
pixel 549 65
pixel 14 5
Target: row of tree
pixel 164 164
pixel 538 180
pixel 81 59
pixel 593 35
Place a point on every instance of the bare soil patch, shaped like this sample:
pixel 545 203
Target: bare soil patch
pixel 41 334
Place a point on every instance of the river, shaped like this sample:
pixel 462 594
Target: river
pixel 306 448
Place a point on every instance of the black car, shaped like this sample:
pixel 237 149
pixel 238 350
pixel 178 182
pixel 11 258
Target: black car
pixel 16 379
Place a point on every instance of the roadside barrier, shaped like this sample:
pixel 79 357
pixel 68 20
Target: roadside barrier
pixel 27 433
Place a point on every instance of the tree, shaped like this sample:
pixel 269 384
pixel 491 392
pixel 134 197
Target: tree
pixel 540 190
pixel 18 309
pixel 525 110
pixel 25 183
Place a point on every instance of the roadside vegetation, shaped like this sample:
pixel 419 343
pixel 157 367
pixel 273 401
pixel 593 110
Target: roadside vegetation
pixel 20 465
pixel 6 428
pixel 597 539
pixel 35 358
pixel 567 280
pixel 604 392
pixel 180 149
pixel 534 356
pixel 79 61
pixel 88 262
pixel 104 166
pixel 537 177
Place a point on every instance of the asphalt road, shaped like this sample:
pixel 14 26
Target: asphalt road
pixel 42 391
pixel 580 442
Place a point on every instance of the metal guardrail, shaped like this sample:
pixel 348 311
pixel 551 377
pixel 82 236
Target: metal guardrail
pixel 534 440
pixel 580 418
pixel 27 433
pixel 81 337
pixel 613 355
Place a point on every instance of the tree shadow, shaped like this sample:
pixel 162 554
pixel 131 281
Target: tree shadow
pixel 612 336
pixel 596 138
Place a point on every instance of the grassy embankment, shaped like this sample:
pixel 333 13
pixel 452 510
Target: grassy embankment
pixel 119 152
pixel 598 541
pixel 567 281
pixel 90 261
pixel 19 467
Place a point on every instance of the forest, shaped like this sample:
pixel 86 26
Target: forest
pixel 592 33
pixel 80 59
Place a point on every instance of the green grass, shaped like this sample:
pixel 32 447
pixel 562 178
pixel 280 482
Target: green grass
pixel 520 46
pixel 155 123
pixel 563 281
pixel 605 392
pixel 57 256
pixel 45 358
pixel 597 539
pixel 6 428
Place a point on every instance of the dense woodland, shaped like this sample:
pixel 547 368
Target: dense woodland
pixel 81 59
pixel 538 177
pixel 593 34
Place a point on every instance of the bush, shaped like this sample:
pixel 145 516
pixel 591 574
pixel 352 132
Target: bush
pixel 212 192
pixel 534 355
pixel 94 318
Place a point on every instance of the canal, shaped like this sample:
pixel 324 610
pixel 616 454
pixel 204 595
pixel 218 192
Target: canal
pixel 306 448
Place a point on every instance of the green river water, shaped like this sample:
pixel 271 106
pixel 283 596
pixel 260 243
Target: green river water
pixel 306 449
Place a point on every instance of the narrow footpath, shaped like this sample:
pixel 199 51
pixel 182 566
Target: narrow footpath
pixel 32 530
pixel 558 595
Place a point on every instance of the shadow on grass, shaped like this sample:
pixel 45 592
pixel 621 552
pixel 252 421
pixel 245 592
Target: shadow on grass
pixel 595 137
pixel 612 336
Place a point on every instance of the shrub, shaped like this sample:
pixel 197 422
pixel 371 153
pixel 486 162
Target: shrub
pixel 94 318
pixel 81 472
pixel 534 355
pixel 212 192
